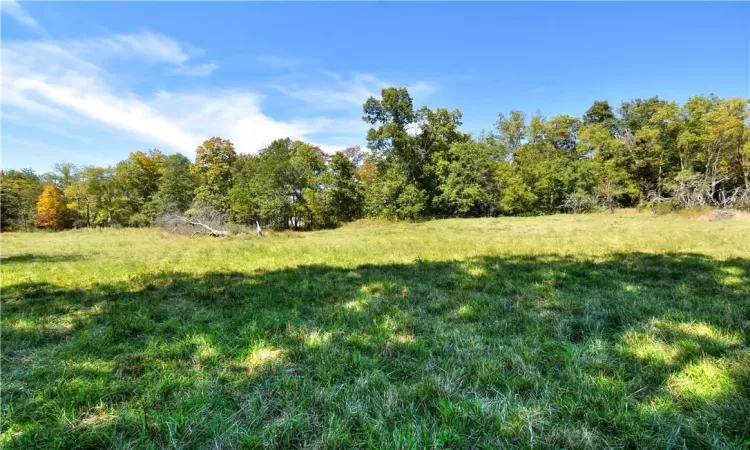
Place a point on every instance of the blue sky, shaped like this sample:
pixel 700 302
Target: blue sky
pixel 90 82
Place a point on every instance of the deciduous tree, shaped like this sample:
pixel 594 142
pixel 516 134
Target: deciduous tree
pixel 214 160
pixel 50 209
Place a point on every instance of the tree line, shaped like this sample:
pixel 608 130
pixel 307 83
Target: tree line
pixel 418 164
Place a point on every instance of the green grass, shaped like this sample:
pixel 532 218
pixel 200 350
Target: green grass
pixel 624 331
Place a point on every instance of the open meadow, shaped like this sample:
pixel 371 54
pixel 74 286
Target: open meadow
pixel 565 331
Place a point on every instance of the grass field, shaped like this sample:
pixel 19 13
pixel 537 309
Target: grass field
pixel 624 331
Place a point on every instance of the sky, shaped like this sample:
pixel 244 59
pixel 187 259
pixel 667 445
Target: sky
pixel 90 82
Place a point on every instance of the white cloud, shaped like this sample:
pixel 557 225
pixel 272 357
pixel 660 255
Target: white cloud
pixel 45 79
pixel 141 46
pixel 421 88
pixel 15 98
pixel 335 93
pixel 13 9
pixel 197 70
pixel 68 82
pixel 144 45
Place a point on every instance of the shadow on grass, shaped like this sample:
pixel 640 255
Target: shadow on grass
pixel 38 258
pixel 637 350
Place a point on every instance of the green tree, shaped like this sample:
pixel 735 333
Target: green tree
pixel 214 161
pixel 102 195
pixel 516 196
pixel 276 186
pixel 63 175
pixel 724 141
pixel 258 193
pixel 646 126
pixel 138 180
pixel 19 192
pixel 602 114
pixel 562 132
pixel 344 188
pixel 512 131
pixel 306 165
pixel 415 143
pixel 469 186
pixel 613 183
pixel 393 114
pixel 390 195
pixel 177 185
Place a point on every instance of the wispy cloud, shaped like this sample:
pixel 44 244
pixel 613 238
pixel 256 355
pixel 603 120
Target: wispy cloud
pixel 47 79
pixel 74 83
pixel 13 9
pixel 141 46
pixel 195 70
pixel 421 88
pixel 144 45
pixel 334 92
pixel 279 62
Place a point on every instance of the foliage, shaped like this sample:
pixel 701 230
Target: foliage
pixel 470 186
pixel 177 185
pixel 19 192
pixel 420 164
pixel 138 179
pixel 50 209
pixel 214 161
pixel 277 186
pixel 341 186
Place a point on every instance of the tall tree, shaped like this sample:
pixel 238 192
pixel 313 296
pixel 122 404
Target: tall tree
pixel 138 179
pixel 393 113
pixel 469 186
pixel 640 127
pixel 613 183
pixel 602 114
pixel 214 161
pixel 344 187
pixel 177 185
pixel 62 175
pixel 412 143
pixel 562 132
pixel 512 131
pixel 276 186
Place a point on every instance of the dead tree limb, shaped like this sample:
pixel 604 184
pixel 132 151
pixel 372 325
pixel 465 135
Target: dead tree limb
pixel 211 231
pixel 200 219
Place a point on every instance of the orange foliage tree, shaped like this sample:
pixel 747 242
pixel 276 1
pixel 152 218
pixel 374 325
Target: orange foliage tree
pixel 50 209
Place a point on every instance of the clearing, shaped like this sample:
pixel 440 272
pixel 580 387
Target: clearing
pixel 589 331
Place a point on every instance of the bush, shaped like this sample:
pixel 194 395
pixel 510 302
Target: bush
pixel 139 220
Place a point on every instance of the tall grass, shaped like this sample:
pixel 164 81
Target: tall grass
pixel 564 331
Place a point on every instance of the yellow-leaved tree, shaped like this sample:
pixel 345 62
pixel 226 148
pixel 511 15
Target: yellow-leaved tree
pixel 50 208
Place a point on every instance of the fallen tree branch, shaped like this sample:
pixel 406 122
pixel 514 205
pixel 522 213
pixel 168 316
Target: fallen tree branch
pixel 211 231
pixel 199 219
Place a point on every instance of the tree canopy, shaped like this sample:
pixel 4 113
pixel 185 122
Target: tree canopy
pixel 418 164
